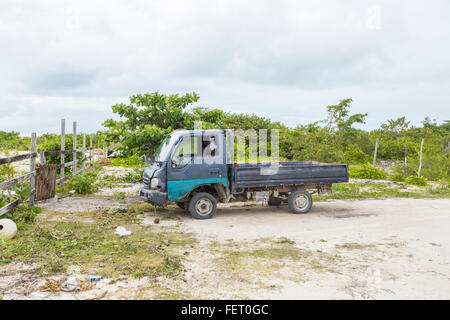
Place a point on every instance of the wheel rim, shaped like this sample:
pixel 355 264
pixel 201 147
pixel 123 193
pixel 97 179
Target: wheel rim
pixel 301 201
pixel 203 206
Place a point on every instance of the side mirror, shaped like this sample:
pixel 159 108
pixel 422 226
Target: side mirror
pixel 149 159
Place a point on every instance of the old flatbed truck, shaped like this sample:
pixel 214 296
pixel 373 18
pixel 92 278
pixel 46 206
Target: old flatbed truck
pixel 196 169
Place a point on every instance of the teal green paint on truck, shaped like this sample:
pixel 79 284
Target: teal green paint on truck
pixel 178 189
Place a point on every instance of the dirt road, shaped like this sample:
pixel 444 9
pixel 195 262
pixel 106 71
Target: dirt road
pixel 387 249
pixel 342 249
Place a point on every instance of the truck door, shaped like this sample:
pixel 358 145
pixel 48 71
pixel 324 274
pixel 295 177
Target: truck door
pixel 197 160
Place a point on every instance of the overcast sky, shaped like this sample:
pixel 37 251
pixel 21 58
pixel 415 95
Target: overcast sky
pixel 286 60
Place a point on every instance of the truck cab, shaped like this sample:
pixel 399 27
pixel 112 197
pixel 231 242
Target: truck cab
pixel 196 170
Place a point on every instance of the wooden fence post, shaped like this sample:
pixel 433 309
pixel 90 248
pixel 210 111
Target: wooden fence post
pixel 91 153
pixel 74 166
pixel 375 153
pixel 63 148
pixel 84 153
pixel 33 169
pixel 420 163
pixel 42 158
pixel 406 156
pixel 98 147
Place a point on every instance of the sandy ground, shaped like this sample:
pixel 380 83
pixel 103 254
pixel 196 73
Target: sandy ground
pixel 353 249
pixel 402 251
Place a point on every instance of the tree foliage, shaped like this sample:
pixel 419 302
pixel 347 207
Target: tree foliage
pixel 13 140
pixel 148 118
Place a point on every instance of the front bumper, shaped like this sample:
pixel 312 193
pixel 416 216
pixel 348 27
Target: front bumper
pixel 155 197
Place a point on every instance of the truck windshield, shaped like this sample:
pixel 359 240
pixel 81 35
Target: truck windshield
pixel 164 148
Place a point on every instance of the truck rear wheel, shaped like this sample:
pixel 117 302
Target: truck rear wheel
pixel 202 206
pixel 300 201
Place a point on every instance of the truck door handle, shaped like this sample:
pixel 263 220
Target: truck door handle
pixel 214 171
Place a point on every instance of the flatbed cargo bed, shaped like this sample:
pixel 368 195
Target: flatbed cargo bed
pixel 266 174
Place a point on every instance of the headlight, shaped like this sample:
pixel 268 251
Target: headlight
pixel 155 182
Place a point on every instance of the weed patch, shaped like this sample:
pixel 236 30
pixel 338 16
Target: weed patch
pixel 354 246
pixel 119 195
pixel 83 183
pixel 22 215
pixel 56 245
pixel 379 191
pixel 417 181
pixel 367 171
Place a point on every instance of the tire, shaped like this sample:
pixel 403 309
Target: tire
pixel 202 206
pixel 274 202
pixel 300 201
pixel 181 205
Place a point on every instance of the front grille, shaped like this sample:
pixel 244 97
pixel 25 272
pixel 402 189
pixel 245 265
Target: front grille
pixel 146 181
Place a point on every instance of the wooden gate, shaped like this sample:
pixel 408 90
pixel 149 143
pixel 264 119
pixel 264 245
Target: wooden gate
pixel 46 181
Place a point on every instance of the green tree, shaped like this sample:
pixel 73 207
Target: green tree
pixel 396 127
pixel 148 118
pixel 341 122
pixel 12 140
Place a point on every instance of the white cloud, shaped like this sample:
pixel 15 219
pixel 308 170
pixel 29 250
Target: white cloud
pixel 284 59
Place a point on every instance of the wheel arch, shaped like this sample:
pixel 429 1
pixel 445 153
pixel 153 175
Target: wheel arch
pixel 183 189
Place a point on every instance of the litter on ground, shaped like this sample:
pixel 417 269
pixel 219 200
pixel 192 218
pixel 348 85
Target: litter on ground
pixel 121 231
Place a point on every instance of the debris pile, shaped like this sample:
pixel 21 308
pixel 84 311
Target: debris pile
pixel 68 285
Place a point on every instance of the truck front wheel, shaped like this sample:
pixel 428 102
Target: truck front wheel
pixel 300 201
pixel 202 206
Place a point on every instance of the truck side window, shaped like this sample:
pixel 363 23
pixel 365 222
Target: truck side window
pixel 185 152
pixel 209 146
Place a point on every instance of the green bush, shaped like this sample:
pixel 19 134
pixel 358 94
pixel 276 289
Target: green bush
pixel 23 215
pixel 84 183
pixel 7 171
pixel 435 165
pixel 12 140
pixel 444 182
pixel 137 175
pixel 2 176
pixel 394 149
pixel 4 199
pixel 129 162
pixel 53 143
pixel 397 177
pixel 401 169
pixel 98 166
pixel 417 181
pixel 348 188
pixel 119 195
pixel 355 155
pixel 22 190
pixel 366 171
